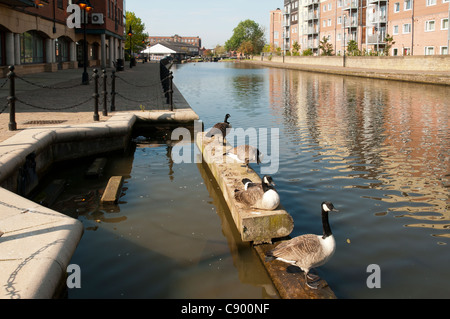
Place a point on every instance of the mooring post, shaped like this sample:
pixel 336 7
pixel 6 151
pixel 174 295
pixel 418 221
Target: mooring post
pixel 105 94
pixel 12 126
pixel 113 91
pixel 96 95
pixel 171 90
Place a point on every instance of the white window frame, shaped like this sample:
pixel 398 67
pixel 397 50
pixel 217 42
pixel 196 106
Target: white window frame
pixel 404 5
pixel 403 29
pixel 395 30
pixel 427 48
pixel 427 25
pixel 441 49
pixel 442 24
pixel 396 7
pixel 430 3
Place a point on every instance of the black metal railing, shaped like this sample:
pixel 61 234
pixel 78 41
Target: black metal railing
pixel 166 81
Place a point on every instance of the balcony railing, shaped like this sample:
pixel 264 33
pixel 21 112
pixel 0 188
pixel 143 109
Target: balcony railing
pixel 376 1
pixel 311 2
pixel 313 16
pixel 350 4
pixel 351 23
pixel 313 44
pixel 376 38
pixel 377 18
pixel 313 29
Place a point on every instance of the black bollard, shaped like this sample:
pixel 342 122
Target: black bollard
pixel 105 94
pixel 96 95
pixel 12 126
pixel 113 91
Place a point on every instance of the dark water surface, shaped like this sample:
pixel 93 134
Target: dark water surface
pixel 379 150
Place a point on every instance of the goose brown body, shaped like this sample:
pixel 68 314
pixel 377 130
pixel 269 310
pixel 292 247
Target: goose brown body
pixel 220 128
pixel 258 195
pixel 308 251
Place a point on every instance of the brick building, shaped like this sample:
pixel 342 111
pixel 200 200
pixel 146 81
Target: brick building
pixel 195 41
pixel 276 29
pixel 34 35
pixel 418 27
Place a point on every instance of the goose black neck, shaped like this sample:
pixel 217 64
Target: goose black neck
pixel 326 225
pixel 266 186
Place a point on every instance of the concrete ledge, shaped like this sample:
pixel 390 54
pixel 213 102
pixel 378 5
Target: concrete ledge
pixel 258 226
pixel 61 142
pixel 291 284
pixel 35 249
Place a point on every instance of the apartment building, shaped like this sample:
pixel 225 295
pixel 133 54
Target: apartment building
pixel 34 35
pixel 276 28
pixel 418 27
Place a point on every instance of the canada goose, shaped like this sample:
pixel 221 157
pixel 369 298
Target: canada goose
pixel 245 154
pixel 258 195
pixel 308 251
pixel 220 128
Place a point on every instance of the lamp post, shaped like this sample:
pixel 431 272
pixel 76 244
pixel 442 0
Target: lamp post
pixel 85 7
pixel 130 34
pixel 144 45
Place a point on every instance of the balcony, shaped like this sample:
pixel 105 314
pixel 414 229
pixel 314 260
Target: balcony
pixel 377 18
pixel 350 23
pixel 313 44
pixel 376 39
pixel 350 5
pixel 313 29
pixel 376 1
pixel 311 2
pixel 313 16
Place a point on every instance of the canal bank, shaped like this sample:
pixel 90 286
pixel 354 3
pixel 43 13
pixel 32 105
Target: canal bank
pixel 425 70
pixel 37 243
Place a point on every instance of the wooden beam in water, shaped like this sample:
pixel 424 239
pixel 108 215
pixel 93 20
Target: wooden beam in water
pixel 113 190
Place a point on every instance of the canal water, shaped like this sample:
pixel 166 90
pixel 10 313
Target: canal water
pixel 379 150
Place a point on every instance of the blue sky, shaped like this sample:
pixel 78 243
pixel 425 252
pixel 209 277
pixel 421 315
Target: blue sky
pixel 212 20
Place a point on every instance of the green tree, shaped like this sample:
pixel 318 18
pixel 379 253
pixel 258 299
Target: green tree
pixel 139 35
pixel 219 50
pixel 326 47
pixel 295 48
pixel 247 30
pixel 247 47
pixel 352 48
pixel 307 52
pixel 389 40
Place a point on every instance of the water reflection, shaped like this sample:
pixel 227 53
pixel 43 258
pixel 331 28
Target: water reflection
pixel 394 140
pixel 379 150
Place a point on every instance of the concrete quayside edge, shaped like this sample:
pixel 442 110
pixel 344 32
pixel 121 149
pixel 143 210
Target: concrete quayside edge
pixel 37 243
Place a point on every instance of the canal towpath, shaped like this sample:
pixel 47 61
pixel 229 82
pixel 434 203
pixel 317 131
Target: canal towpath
pixel 47 98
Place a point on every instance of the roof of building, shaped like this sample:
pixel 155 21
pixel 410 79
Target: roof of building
pixel 172 47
